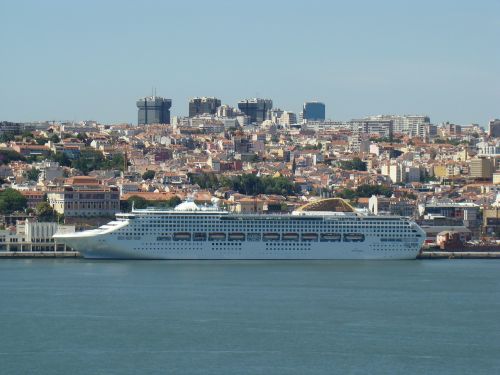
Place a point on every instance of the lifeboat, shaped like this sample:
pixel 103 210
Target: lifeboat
pixel 271 236
pixel 330 237
pixel 290 237
pixel 354 237
pixel 182 236
pixel 218 236
pixel 309 236
pixel 236 237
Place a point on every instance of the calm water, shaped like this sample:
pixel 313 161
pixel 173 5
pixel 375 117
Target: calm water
pixel 249 317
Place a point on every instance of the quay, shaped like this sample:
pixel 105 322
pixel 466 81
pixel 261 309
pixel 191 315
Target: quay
pixel 39 254
pixel 459 255
pixel 422 255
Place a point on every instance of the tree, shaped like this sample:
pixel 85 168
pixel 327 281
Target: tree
pixel 356 164
pixel 89 160
pixel 6 156
pixel 365 191
pixel 148 175
pixel 11 200
pixel 55 138
pixel 27 134
pixel 45 212
pixel 41 141
pixel 137 202
pixel 62 159
pixel 6 137
pixel 82 137
pixel 32 174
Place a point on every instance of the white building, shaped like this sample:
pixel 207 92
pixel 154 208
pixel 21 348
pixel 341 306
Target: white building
pixel 33 236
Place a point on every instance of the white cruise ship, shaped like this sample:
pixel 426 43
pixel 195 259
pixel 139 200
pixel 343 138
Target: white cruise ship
pixel 324 229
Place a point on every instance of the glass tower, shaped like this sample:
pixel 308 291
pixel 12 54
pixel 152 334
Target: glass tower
pixel 153 110
pixel 313 111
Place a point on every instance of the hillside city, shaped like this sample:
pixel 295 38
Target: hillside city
pixel 251 158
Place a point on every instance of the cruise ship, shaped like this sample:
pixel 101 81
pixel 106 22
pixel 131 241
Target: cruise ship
pixel 323 229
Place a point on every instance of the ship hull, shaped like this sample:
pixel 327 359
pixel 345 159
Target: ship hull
pixel 214 234
pixel 104 247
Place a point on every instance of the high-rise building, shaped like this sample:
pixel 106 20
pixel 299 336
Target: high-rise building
pixel 313 111
pixel 204 105
pixel 255 108
pixel 153 110
pixel 494 128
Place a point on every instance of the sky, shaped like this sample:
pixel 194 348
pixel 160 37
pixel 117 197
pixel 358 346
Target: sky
pixel 92 59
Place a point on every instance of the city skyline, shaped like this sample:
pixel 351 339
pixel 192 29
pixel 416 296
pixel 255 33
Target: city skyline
pixel 80 61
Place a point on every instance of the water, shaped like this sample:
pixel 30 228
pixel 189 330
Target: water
pixel 249 317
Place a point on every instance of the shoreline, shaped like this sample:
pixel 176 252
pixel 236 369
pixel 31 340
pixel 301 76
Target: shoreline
pixel 422 255
pixel 39 254
pixel 459 255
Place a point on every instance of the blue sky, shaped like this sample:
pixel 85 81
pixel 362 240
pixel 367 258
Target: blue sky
pixel 74 60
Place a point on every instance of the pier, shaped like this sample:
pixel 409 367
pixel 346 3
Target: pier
pixel 459 255
pixel 39 254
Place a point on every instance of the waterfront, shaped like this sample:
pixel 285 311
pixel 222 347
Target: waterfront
pixel 249 317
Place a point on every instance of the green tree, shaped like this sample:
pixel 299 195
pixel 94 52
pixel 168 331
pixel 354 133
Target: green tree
pixel 6 137
pixel 62 159
pixel 11 200
pixel 6 156
pixel 82 137
pixel 138 202
pixel 148 175
pixel 32 174
pixel 89 160
pixel 41 141
pixel 365 191
pixel 356 164
pixel 27 134
pixel 45 212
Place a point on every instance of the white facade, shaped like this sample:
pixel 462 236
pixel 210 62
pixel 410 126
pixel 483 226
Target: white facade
pixel 34 236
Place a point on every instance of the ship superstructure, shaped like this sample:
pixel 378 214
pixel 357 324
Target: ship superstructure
pixel 324 229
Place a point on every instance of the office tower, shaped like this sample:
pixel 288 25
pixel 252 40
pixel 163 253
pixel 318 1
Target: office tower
pixel 255 108
pixel 313 111
pixel 494 128
pixel 153 110
pixel 200 106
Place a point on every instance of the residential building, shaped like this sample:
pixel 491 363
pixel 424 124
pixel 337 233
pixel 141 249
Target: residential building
pixel 288 118
pixel 481 168
pixel 84 196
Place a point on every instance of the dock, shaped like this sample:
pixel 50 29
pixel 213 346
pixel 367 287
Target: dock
pixel 39 254
pixel 459 255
